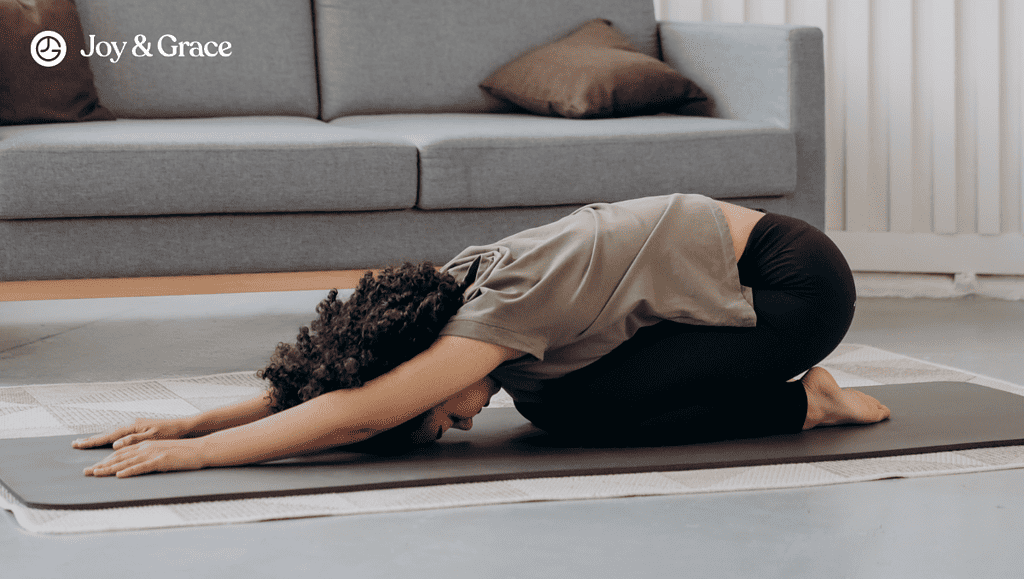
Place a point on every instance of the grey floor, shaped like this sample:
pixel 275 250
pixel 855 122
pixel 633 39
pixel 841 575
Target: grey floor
pixel 950 526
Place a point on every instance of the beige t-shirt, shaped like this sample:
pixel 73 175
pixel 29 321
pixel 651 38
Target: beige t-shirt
pixel 569 292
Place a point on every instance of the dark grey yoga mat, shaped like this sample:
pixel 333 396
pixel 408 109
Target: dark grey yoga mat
pixel 927 417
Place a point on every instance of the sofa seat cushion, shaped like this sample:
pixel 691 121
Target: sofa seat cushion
pixel 485 160
pixel 199 166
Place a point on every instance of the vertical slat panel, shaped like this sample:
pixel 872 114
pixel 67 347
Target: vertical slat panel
pixel 681 10
pixel 854 17
pixel 767 11
pixel 835 127
pixel 873 202
pixel 1015 24
pixel 729 10
pixel 819 13
pixel 923 118
pixel 924 106
pixel 810 13
pixel 942 48
pixel 661 9
pixel 967 119
pixel 896 53
pixel 987 89
pixel 1012 145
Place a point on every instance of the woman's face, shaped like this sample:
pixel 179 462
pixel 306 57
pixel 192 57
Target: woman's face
pixel 456 412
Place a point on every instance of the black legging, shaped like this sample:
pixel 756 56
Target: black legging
pixel 676 383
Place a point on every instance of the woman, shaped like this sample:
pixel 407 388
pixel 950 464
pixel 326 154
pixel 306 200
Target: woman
pixel 652 321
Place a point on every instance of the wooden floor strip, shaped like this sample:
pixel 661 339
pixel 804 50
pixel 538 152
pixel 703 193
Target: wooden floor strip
pixel 175 286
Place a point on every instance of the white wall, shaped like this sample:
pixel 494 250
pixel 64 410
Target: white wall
pixel 924 110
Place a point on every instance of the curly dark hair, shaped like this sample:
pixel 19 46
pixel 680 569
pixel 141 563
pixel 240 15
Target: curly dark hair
pixel 387 321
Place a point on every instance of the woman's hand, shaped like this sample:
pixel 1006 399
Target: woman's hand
pixel 151 456
pixel 142 429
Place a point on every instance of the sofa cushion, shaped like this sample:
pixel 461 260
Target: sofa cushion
pixel 508 160
pixel 195 166
pixel 43 77
pixel 270 70
pixel 415 56
pixel 593 72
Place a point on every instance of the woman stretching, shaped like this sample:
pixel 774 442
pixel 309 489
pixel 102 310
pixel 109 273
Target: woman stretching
pixel 662 320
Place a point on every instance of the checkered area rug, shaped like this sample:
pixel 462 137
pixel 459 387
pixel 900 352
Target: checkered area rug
pixel 59 409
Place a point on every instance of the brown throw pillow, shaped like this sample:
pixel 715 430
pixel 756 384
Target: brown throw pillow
pixel 594 72
pixel 31 92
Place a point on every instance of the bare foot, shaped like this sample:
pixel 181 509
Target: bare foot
pixel 829 405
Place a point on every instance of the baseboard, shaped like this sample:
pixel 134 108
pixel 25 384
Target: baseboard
pixel 175 286
pixel 930 253
pixel 938 286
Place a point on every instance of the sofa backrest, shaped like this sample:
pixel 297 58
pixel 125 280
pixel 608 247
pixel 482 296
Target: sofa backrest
pixel 395 56
pixel 271 69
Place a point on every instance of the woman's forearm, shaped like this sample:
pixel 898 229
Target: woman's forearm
pixel 317 424
pixel 230 416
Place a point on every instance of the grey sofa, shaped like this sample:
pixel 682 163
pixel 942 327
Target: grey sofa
pixel 345 134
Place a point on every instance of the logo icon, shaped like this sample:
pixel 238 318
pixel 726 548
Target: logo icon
pixel 48 48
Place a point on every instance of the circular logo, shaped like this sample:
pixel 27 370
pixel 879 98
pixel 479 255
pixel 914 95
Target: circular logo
pixel 49 48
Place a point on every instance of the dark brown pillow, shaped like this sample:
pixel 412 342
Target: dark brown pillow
pixel 594 72
pixel 32 93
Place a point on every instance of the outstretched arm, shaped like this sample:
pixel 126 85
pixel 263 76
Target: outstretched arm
pixel 186 427
pixel 336 418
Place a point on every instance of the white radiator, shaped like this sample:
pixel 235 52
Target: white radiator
pixel 924 112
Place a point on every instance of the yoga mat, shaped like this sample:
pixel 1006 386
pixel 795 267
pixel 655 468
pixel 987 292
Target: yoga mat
pixel 927 417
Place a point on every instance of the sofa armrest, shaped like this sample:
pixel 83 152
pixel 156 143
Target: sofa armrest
pixel 762 73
